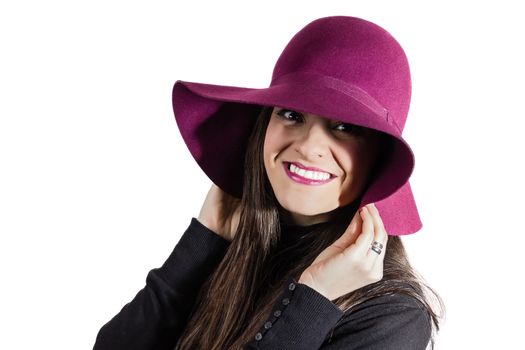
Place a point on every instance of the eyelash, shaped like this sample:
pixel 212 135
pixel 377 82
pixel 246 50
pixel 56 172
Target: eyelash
pixel 354 130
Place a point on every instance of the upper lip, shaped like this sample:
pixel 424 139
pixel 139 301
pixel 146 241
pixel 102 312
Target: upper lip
pixel 310 168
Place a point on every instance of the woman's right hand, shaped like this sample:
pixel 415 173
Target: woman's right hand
pixel 220 213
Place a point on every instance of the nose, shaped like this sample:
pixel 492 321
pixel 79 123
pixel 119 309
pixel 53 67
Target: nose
pixel 314 141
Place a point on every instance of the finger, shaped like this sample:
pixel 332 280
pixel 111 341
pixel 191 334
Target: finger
pixel 379 232
pixel 378 267
pixel 363 242
pixel 375 252
pixel 350 234
pixel 378 258
pixel 377 217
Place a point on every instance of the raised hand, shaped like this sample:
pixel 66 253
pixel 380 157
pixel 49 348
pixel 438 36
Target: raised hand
pixel 220 212
pixel 350 263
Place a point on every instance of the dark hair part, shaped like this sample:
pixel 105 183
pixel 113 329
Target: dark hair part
pixel 238 296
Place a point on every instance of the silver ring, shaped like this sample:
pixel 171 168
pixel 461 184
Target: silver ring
pixel 377 244
pixel 376 247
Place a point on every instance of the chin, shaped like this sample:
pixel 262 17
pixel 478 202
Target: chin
pixel 307 210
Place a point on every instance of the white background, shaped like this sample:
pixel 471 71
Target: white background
pixel 96 184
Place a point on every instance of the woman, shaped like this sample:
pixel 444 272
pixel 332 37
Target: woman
pixel 291 247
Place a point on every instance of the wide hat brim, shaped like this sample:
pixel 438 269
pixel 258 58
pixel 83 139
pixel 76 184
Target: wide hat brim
pixel 215 122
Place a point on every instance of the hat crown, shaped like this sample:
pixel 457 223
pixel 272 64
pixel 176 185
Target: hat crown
pixel 355 52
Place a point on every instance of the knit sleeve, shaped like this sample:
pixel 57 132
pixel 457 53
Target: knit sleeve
pixel 305 319
pixel 300 319
pixel 157 315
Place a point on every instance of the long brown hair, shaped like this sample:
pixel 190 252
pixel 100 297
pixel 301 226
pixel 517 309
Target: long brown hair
pixel 239 294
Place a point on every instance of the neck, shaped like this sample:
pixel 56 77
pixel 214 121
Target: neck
pixel 290 218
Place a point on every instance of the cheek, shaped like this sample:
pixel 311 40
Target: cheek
pixel 272 142
pixel 355 167
pixel 356 164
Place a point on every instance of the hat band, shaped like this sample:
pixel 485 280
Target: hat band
pixel 358 94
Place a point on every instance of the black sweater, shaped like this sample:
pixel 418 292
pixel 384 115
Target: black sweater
pixel 302 319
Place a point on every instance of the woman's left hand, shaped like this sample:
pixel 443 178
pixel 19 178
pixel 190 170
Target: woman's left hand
pixel 349 263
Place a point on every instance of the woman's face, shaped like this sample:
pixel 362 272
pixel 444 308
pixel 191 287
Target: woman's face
pixel 342 153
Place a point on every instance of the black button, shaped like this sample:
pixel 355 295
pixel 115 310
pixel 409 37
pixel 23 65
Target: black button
pixel 258 336
pixel 277 313
pixel 286 301
pixel 291 286
pixel 268 325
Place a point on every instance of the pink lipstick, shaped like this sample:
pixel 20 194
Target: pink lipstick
pixel 303 180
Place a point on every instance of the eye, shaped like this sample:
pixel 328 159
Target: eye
pixel 350 128
pixel 292 115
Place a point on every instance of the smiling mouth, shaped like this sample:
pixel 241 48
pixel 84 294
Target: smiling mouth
pixel 302 176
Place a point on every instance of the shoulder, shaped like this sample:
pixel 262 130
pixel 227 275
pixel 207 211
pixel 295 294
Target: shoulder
pixel 394 321
pixel 382 305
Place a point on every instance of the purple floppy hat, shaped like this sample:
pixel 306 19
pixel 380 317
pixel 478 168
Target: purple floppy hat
pixel 339 67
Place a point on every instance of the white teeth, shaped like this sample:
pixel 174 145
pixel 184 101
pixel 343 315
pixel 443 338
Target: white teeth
pixel 313 175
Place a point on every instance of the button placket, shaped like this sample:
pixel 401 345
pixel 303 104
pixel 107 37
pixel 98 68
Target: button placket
pixel 285 301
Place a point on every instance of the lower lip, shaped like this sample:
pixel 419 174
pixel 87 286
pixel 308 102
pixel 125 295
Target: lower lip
pixel 304 180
